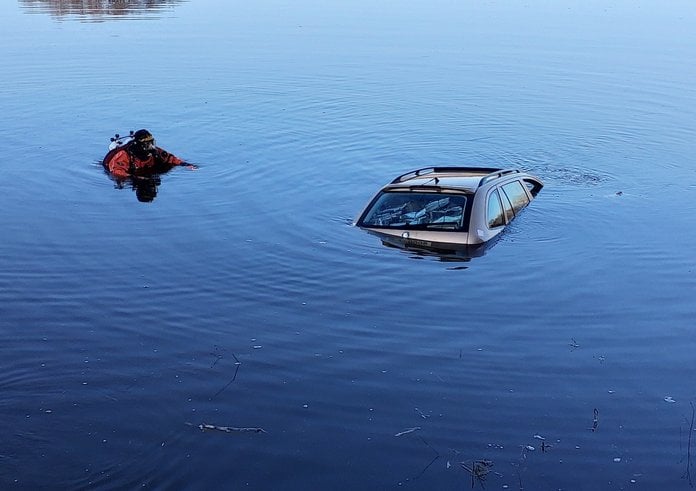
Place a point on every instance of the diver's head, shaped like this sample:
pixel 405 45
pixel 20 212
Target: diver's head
pixel 144 142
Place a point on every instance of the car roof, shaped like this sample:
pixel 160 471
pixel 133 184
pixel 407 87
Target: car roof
pixel 467 179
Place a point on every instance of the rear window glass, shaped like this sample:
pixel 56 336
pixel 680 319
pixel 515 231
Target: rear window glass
pixel 518 196
pixel 416 210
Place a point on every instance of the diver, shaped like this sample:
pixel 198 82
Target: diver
pixel 139 156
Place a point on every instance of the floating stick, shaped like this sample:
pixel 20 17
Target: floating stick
pixel 229 429
pixel 408 430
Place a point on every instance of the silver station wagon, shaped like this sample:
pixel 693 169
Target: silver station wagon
pixel 448 209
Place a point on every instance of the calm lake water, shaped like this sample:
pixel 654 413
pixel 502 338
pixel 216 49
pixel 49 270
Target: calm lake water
pixel 242 297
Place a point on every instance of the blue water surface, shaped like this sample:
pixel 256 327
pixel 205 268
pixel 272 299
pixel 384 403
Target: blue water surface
pixel 242 297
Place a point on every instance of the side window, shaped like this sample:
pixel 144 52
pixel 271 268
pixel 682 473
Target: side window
pixel 533 186
pixel 494 211
pixel 517 195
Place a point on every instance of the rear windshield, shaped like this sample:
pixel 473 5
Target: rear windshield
pixel 432 211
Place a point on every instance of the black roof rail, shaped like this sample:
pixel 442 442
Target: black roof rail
pixel 412 174
pixel 431 170
pixel 496 174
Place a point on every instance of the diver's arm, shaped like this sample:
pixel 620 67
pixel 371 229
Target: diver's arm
pixel 171 159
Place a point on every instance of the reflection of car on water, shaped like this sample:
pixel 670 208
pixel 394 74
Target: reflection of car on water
pixel 457 210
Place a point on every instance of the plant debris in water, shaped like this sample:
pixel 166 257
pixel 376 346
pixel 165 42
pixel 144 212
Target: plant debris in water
pixel 479 470
pixel 595 420
pixel 687 472
pixel 229 429
pixel 408 430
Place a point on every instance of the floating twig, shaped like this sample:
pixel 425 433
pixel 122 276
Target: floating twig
pixel 595 420
pixel 408 430
pixel 425 468
pixel 237 364
pixel 430 446
pixel 479 470
pixel 217 356
pixel 687 472
pixel 229 429
pixel 435 458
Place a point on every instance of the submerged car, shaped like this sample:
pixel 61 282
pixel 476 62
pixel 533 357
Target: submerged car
pixel 448 209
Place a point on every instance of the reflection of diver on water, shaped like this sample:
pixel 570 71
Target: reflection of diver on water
pixel 145 187
pixel 136 160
